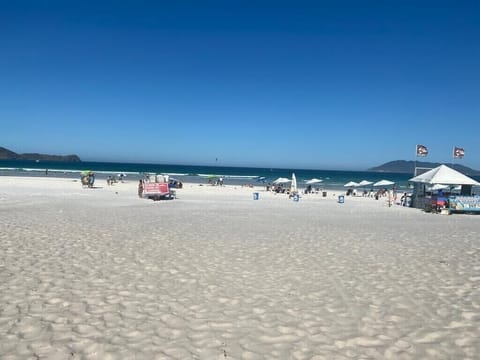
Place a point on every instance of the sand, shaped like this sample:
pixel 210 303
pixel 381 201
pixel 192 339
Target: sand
pixel 102 274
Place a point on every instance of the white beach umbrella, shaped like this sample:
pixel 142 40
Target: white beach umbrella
pixel 365 183
pixel 282 181
pixel 313 181
pixel 436 187
pixel 293 186
pixel 351 184
pixel 384 183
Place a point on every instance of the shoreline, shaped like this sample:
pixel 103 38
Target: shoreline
pixel 251 180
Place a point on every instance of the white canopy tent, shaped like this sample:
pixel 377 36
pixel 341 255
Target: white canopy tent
pixel 439 176
pixel 444 175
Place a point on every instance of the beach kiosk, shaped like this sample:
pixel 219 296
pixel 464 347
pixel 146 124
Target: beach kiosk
pixel 156 187
pixel 445 190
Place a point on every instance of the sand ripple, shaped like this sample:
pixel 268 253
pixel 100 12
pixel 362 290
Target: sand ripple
pixel 186 280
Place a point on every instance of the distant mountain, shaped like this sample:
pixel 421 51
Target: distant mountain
pixel 6 154
pixel 408 167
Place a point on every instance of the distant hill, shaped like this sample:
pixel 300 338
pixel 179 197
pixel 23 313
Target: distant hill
pixel 6 154
pixel 408 167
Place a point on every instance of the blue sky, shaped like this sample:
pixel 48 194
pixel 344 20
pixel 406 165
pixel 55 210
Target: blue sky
pixel 302 84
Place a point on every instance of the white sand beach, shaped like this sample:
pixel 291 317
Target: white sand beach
pixel 102 274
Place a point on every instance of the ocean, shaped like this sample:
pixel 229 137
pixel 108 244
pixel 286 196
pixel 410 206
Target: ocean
pixel 331 179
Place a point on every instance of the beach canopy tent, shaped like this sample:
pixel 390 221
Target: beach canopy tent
pixel 444 175
pixel 313 181
pixel 282 181
pixel 351 184
pixel 384 183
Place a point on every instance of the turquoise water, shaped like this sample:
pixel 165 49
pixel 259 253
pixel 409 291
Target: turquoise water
pixel 332 179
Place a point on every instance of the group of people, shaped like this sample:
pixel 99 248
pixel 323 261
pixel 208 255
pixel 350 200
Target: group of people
pixel 216 182
pixel 317 190
pixel 279 188
pixel 111 180
pixel 88 179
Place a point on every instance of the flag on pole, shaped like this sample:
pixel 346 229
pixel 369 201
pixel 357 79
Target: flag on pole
pixel 422 150
pixel 458 152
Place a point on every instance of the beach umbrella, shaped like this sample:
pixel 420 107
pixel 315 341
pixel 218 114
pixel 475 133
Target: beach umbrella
pixel 384 183
pixel 365 183
pixel 293 186
pixel 351 184
pixel 436 187
pixel 313 181
pixel 212 179
pixel 282 181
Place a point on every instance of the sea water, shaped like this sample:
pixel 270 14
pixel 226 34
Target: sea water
pixel 331 179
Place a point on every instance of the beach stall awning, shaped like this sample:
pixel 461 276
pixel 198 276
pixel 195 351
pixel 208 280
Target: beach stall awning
pixel 384 183
pixel 444 175
pixel 281 181
pixel 351 184
pixel 313 181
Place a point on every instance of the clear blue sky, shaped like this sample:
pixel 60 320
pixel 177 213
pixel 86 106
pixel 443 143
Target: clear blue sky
pixel 303 84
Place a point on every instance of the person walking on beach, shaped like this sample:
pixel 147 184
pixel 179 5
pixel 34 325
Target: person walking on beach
pixel 140 188
pixel 91 179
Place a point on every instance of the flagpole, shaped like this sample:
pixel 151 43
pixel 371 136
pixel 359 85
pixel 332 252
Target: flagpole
pixel 415 162
pixel 453 158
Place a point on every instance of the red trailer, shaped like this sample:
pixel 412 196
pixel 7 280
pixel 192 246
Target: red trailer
pixel 157 191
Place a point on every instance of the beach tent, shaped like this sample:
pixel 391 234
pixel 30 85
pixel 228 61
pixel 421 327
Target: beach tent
pixel 440 175
pixel 444 175
pixel 351 184
pixel 384 183
pixel 313 181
